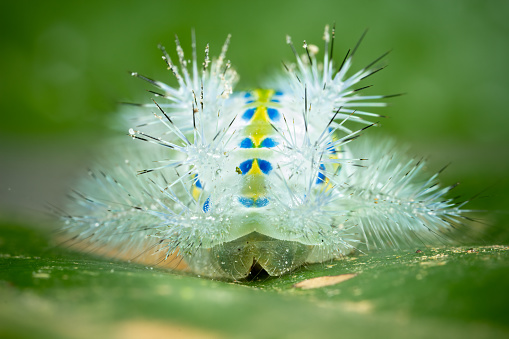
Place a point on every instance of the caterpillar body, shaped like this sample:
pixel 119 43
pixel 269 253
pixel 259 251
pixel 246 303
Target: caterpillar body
pixel 268 178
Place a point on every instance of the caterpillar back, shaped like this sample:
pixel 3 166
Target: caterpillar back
pixel 269 178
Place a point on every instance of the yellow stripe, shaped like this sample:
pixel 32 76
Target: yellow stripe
pixel 264 95
pixel 258 129
pixel 196 193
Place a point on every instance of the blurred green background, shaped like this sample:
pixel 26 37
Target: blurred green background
pixel 64 68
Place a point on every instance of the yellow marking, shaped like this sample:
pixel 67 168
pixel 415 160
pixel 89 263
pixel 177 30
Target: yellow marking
pixel 260 115
pixel 258 132
pixel 196 193
pixel 264 95
pixel 255 169
pixel 254 196
pixel 258 129
pixel 257 138
pixel 328 185
pixel 335 166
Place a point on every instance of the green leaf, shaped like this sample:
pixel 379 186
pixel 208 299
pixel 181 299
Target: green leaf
pixel 446 292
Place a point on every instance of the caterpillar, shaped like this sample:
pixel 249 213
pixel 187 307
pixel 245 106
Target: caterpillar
pixel 225 183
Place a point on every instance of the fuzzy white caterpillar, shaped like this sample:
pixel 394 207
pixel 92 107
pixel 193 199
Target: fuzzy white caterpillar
pixel 267 178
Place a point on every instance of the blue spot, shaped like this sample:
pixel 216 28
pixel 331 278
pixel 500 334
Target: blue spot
pixel 274 100
pixel 265 166
pixel 278 93
pixel 331 148
pixel 250 202
pixel 273 114
pixel 321 176
pixel 247 202
pixel 261 202
pixel 246 143
pixel 246 166
pixel 248 114
pixel 247 95
pixel 197 183
pixel 250 102
pixel 269 142
pixel 207 205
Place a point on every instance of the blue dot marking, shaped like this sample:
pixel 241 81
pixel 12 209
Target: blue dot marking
pixel 246 143
pixel 264 166
pixel 330 148
pixel 261 202
pixel 269 143
pixel 321 176
pixel 207 205
pixel 247 202
pixel 273 114
pixel 197 183
pixel 250 202
pixel 248 114
pixel 245 166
